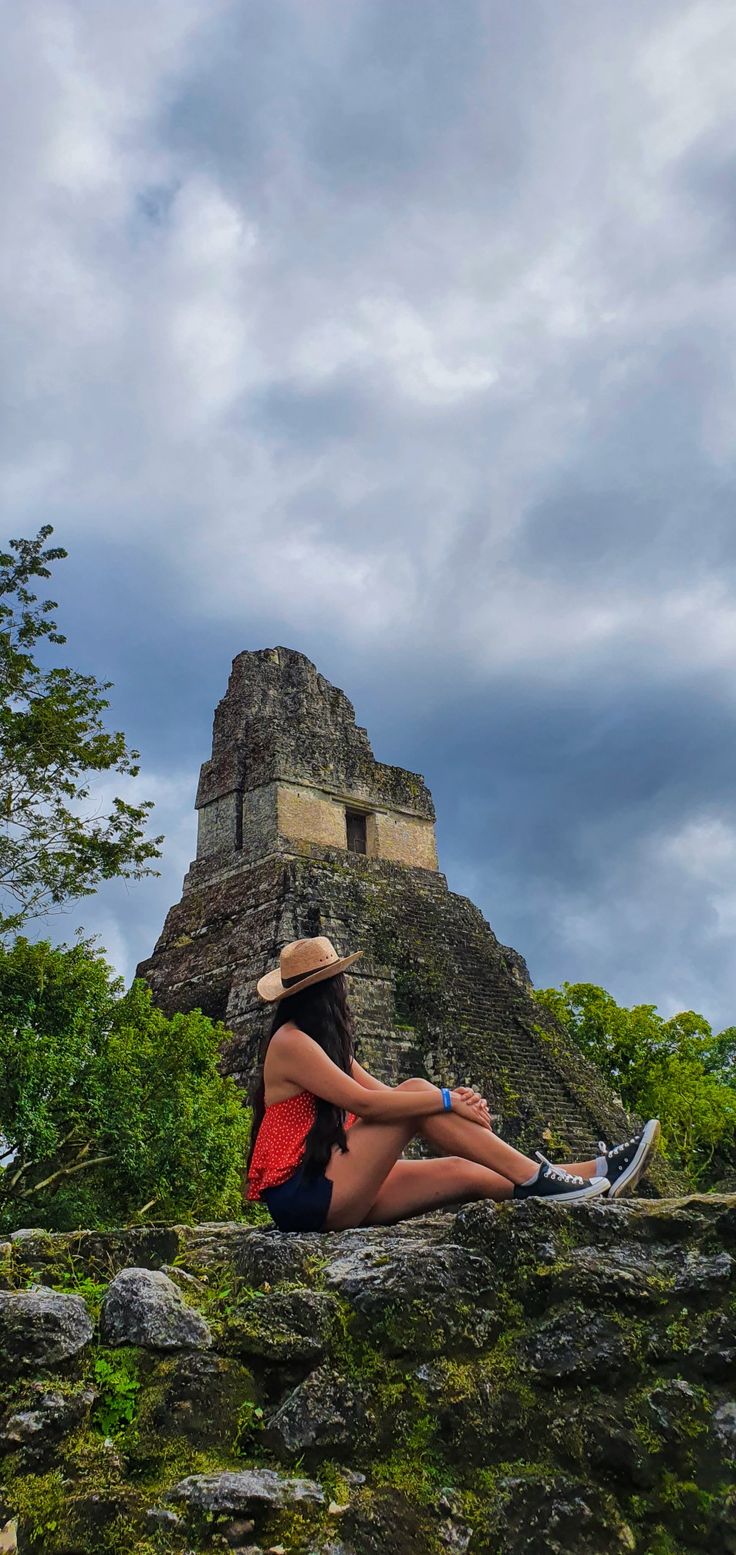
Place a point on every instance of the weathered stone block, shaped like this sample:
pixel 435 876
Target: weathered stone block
pixel 41 1329
pixel 235 1493
pixel 387 1521
pixel 326 1410
pixel 103 1254
pixel 306 815
pixel 570 1348
pixel 40 1418
pixel 265 1256
pixel 144 1307
pixel 555 1515
pixel 196 1396
pixel 406 1300
pixel 293 1325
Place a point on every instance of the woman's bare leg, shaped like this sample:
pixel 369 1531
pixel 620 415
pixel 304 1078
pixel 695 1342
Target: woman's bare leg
pixel 371 1185
pixel 359 1174
pixel 413 1186
pixel 458 1136
pixel 452 1135
pixel 374 1148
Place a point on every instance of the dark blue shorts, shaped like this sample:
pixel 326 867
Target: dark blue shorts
pixel 299 1204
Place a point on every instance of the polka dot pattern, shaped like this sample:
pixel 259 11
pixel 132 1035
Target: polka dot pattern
pixel 281 1139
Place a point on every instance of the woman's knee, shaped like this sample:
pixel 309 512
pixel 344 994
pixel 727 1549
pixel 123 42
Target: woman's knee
pixel 416 1085
pixel 459 1172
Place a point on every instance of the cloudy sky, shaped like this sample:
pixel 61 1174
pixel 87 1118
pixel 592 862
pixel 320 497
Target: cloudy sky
pixel 401 334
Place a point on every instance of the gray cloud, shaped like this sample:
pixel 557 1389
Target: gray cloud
pixel 403 335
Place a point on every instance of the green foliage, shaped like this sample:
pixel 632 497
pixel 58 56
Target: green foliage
pixel 52 741
pixel 249 1422
pixel 40 1503
pixel 69 1278
pixel 109 1110
pixel 118 1384
pixel 678 1070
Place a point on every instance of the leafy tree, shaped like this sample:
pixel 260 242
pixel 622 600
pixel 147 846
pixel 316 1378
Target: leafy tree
pixel 676 1069
pixel 109 1110
pixel 52 740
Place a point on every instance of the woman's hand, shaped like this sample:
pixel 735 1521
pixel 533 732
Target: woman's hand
pixel 477 1103
pixel 468 1104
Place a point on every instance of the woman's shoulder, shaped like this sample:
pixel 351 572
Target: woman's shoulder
pixel 286 1036
pixel 281 1045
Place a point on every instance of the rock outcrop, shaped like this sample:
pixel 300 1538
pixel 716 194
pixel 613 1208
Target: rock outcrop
pixel 523 1379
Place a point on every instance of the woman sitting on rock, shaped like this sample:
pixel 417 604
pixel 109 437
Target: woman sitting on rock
pixel 311 1093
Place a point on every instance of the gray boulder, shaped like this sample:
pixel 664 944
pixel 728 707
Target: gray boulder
pixel 325 1410
pixel 570 1349
pixel 286 1325
pixel 414 1290
pixel 46 1417
pixel 143 1306
pixel 41 1328
pixel 241 1492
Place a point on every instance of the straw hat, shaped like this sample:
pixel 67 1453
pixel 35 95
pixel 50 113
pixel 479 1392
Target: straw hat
pixel 303 962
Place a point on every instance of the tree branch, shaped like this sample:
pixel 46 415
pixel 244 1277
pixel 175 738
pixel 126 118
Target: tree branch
pixel 26 1166
pixel 64 1171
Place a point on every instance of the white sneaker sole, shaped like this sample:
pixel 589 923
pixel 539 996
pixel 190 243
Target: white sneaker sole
pixel 630 1177
pixel 594 1187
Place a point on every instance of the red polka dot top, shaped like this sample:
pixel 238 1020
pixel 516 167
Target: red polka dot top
pixel 281 1138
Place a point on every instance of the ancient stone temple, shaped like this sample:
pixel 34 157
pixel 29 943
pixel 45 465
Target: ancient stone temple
pixel 302 832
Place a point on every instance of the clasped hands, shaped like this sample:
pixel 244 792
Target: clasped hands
pixel 477 1104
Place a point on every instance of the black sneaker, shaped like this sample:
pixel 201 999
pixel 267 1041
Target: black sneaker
pixel 625 1163
pixel 553 1182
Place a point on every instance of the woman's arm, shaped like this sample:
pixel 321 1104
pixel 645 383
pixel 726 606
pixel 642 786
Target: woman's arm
pixel 368 1080
pixel 301 1061
pixel 462 1093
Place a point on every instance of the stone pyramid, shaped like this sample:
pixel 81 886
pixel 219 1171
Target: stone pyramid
pixel 301 832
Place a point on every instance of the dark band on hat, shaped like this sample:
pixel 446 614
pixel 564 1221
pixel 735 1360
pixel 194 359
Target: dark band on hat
pixel 290 982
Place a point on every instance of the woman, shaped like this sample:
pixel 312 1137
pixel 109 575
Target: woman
pixel 311 1094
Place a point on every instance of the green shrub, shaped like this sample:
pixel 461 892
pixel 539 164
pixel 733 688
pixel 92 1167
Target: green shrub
pixel 109 1110
pixel 678 1070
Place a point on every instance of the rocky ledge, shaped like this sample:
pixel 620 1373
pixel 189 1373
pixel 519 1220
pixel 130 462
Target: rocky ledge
pixel 518 1380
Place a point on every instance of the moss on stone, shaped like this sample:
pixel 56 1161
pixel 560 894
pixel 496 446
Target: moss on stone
pixel 40 1502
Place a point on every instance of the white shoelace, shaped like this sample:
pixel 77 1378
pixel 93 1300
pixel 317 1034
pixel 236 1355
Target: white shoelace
pixel 616 1149
pixel 558 1173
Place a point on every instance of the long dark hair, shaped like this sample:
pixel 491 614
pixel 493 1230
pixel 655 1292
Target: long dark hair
pixel 324 1013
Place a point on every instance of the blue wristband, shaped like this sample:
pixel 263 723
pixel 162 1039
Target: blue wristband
pixel 446 1099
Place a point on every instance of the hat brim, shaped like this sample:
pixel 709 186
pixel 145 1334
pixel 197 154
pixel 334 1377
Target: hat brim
pixel 270 987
